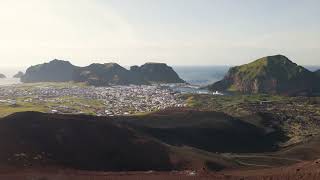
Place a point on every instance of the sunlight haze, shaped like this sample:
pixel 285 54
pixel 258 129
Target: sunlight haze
pixel 181 32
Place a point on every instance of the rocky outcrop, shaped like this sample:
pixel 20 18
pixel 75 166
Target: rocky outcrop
pixel 107 74
pixel 54 71
pixel 18 75
pixel 157 72
pixel 272 75
pixel 101 74
pixel 2 76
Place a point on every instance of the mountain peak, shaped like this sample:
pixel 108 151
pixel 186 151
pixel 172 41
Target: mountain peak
pixel 278 60
pixel 54 71
pixel 101 74
pixel 270 74
pixel 157 72
pixel 57 61
pixel 112 65
pixel 155 63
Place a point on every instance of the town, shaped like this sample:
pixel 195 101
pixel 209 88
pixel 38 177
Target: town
pixel 72 98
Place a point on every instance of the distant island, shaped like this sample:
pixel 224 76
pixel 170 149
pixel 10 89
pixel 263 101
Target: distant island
pixel 272 75
pixel 101 74
pixel 2 76
pixel 18 75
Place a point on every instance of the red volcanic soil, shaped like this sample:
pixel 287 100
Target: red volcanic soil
pixel 308 170
pixel 32 139
pixel 164 141
pixel 302 171
pixel 37 146
pixel 35 139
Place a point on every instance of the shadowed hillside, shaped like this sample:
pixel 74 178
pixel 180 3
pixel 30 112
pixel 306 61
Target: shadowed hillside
pixel 54 71
pixel 105 74
pixel 157 72
pixel 101 74
pixel 210 131
pixel 160 141
pixel 36 139
pixel 163 141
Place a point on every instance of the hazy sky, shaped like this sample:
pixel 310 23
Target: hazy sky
pixel 178 32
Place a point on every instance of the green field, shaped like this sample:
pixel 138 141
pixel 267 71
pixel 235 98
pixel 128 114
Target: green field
pixel 32 103
pixel 74 104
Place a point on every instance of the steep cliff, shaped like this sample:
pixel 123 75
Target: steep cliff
pixel 271 74
pixel 106 74
pixel 101 74
pixel 157 72
pixel 54 71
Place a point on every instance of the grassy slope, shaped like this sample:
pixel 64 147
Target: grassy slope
pixel 288 76
pixel 275 66
pixel 75 103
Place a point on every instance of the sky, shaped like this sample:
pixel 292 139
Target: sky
pixel 176 32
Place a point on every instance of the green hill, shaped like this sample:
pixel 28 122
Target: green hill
pixel 272 74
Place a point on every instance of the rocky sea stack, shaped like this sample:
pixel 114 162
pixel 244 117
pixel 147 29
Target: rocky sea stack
pixel 101 74
pixel 2 76
pixel 18 75
pixel 272 75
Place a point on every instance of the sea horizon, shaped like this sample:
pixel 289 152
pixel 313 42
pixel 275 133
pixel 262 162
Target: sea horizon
pixel 196 75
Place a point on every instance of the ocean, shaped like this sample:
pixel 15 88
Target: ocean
pixel 9 73
pixel 201 75
pixel 197 75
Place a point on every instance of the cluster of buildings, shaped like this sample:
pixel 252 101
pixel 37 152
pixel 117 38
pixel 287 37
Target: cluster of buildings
pixel 104 101
pixel 137 99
